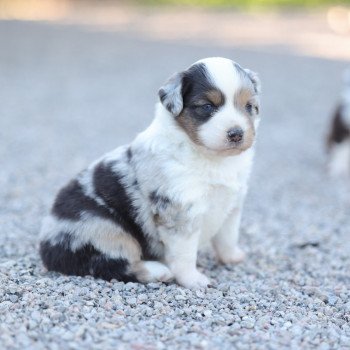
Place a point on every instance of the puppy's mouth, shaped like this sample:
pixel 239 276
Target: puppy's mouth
pixel 236 147
pixel 230 148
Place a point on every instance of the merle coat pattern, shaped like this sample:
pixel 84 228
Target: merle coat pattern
pixel 142 211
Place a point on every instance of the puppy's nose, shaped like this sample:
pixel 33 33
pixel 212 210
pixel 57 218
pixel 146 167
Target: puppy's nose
pixel 235 134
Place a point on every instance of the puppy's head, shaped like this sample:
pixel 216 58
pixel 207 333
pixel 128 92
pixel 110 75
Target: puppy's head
pixel 216 102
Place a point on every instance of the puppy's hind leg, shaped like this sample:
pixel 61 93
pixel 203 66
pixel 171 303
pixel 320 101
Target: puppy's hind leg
pixel 86 260
pixel 151 271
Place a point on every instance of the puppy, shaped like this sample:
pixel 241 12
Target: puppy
pixel 141 212
pixel 339 137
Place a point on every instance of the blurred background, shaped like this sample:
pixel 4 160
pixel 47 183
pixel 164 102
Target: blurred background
pixel 306 27
pixel 79 78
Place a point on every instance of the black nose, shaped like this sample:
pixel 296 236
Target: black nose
pixel 235 135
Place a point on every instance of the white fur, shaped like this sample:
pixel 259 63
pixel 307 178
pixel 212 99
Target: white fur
pixel 224 73
pixel 155 271
pixel 339 163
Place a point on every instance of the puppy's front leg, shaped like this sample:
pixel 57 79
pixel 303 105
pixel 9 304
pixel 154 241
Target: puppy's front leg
pixel 226 241
pixel 181 257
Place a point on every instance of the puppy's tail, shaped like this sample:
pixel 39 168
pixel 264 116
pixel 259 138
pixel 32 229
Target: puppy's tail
pixel 87 260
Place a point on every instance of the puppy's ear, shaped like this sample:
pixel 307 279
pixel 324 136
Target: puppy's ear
pixel 171 95
pixel 255 80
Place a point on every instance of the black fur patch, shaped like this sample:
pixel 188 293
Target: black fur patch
pixel 339 130
pixel 84 261
pixel 71 202
pixel 109 187
pixel 196 83
pixel 198 103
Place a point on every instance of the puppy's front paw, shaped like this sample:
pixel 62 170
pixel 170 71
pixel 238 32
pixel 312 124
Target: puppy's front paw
pixel 194 280
pixel 234 256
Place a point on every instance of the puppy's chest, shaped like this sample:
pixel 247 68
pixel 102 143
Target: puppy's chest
pixel 217 205
pixel 212 198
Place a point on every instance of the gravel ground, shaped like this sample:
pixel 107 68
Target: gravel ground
pixel 67 96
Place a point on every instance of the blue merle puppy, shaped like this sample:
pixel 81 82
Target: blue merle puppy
pixel 142 212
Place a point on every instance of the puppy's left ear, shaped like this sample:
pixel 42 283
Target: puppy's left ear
pixel 255 80
pixel 171 95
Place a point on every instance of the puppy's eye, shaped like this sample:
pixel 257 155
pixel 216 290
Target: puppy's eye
pixel 208 108
pixel 249 108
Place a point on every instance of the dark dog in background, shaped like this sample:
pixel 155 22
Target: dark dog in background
pixel 339 137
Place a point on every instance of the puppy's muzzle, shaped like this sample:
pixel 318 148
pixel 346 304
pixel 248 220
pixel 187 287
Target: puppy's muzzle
pixel 235 135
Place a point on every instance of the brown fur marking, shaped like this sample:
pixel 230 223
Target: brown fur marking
pixel 242 97
pixel 215 97
pixel 189 125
